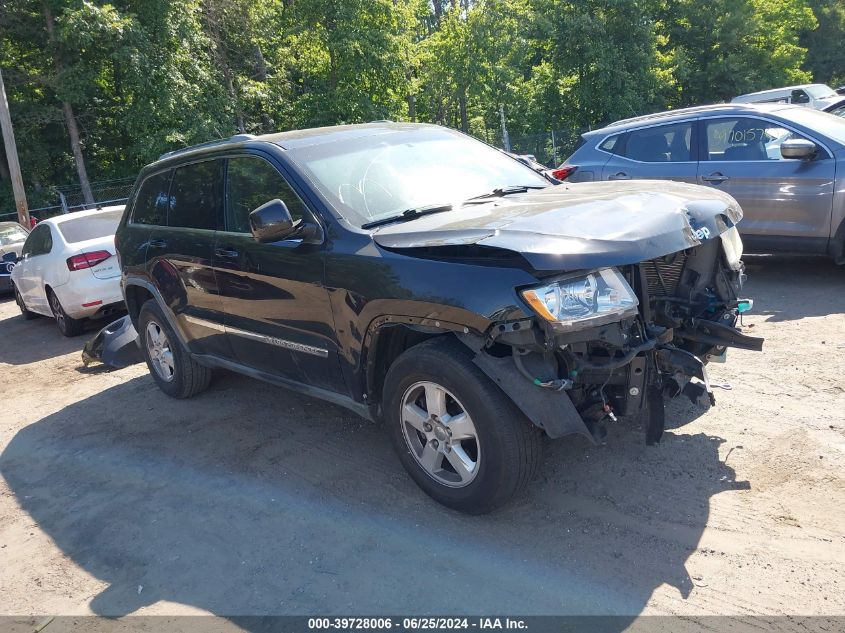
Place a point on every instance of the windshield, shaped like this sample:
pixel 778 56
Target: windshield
pixel 820 91
pixel 11 235
pixel 382 175
pixel 90 227
pixel 822 122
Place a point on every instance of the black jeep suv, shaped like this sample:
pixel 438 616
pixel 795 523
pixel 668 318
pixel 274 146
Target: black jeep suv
pixel 417 275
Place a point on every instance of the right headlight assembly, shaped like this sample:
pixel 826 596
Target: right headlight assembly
pixel 580 302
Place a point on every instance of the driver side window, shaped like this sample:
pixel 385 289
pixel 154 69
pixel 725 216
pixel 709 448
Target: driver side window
pixel 251 182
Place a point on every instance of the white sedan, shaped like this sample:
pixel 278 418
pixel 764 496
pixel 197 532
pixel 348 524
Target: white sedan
pixel 68 269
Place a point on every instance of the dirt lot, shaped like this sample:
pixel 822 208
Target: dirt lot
pixel 115 499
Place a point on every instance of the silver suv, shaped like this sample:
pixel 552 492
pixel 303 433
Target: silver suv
pixel 785 165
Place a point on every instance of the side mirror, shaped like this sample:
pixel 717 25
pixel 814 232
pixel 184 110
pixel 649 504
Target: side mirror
pixel 798 148
pixel 272 222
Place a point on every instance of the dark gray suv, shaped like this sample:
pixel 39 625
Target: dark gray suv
pixel 785 165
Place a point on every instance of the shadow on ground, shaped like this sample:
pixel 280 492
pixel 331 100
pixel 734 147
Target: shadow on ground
pixel 790 288
pixel 254 500
pixel 23 342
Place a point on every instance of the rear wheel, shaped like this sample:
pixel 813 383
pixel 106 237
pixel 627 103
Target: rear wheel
pixel 171 366
pixel 24 312
pixel 457 434
pixel 67 325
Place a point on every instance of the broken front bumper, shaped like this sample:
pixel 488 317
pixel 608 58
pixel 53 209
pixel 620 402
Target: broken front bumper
pixel 571 382
pixel 115 345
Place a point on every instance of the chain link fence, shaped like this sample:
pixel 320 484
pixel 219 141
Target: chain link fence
pixel 549 148
pixel 69 199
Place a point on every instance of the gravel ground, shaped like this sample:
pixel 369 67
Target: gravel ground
pixel 249 499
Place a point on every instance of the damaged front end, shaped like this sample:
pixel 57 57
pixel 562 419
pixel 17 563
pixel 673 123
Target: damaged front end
pixel 618 340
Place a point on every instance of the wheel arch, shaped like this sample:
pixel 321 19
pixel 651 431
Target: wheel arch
pixel 137 292
pixel 387 338
pixel 136 296
pixel 837 244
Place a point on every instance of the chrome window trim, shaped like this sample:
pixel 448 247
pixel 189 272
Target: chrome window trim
pixel 707 117
pixel 645 127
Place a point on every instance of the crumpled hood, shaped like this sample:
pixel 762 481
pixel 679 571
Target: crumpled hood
pixel 579 225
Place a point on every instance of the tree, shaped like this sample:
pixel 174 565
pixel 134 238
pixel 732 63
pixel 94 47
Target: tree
pixel 825 55
pixel 727 47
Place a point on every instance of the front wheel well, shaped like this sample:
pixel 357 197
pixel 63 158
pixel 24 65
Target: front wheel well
pixel 389 342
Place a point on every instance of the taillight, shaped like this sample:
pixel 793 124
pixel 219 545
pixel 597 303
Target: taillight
pixel 87 260
pixel 564 172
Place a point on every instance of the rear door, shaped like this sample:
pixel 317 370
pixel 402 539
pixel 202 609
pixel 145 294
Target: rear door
pixel 279 318
pixel 665 151
pixel 786 202
pixel 179 254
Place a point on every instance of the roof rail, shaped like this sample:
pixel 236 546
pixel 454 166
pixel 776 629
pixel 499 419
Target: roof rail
pixel 220 141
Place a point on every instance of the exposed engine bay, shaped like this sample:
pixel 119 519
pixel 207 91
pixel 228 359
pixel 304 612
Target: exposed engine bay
pixel 689 304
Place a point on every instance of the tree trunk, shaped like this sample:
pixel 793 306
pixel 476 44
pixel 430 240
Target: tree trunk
pixel 220 53
pixel 70 119
pixel 261 74
pixel 4 168
pixel 73 131
pixel 462 104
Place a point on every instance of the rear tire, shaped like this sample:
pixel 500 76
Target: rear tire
pixel 460 438
pixel 174 370
pixel 24 312
pixel 67 325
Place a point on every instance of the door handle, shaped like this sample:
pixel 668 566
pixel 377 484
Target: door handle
pixel 717 177
pixel 619 176
pixel 157 244
pixel 228 253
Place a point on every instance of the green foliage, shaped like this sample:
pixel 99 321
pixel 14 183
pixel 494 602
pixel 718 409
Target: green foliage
pixel 146 76
pixel 825 53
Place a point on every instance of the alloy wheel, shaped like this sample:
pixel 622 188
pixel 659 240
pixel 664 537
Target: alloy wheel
pixel 160 351
pixel 440 434
pixel 58 312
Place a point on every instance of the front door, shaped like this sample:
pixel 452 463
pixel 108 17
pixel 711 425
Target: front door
pixel 30 276
pixel 786 199
pixel 278 315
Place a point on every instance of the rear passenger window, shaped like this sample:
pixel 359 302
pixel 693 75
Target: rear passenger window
pixel 661 144
pixel 252 182
pixel 151 201
pixel 195 196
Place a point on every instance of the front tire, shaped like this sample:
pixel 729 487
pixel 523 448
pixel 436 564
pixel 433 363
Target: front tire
pixel 24 312
pixel 170 364
pixel 67 325
pixel 456 433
